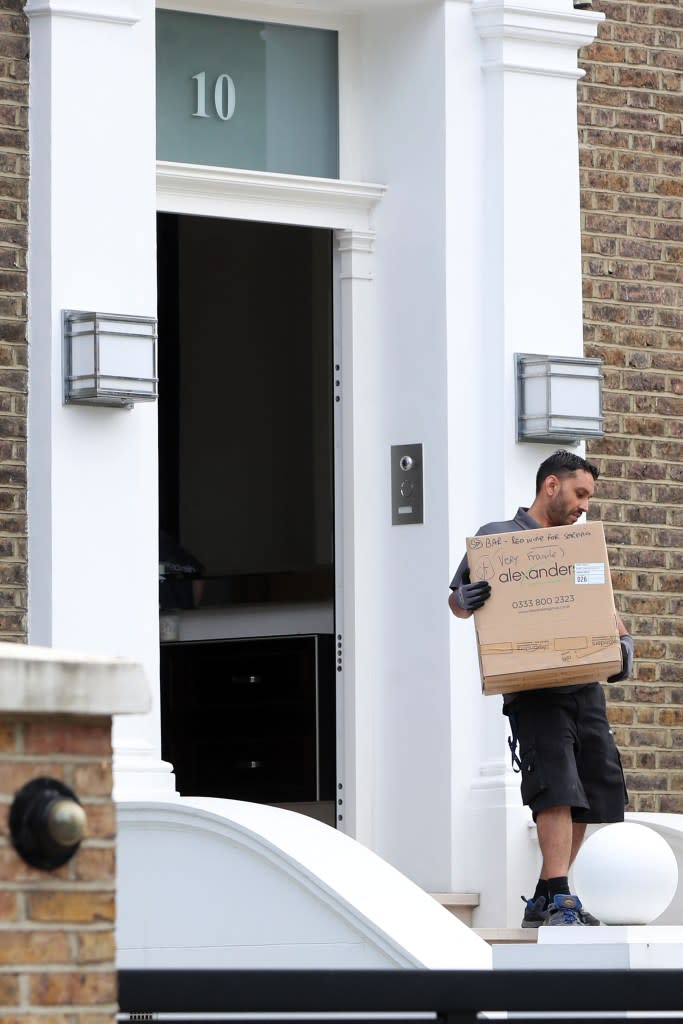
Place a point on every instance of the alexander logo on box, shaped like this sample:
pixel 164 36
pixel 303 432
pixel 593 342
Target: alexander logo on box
pixel 542 573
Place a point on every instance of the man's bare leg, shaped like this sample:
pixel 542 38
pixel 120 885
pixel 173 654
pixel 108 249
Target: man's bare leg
pixel 560 840
pixel 578 832
pixel 556 839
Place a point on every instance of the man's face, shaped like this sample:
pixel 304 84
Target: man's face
pixel 568 497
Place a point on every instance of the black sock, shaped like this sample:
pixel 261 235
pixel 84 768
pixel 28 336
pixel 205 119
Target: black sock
pixel 541 889
pixel 558 886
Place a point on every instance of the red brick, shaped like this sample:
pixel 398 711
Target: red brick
pixel 93 779
pixel 96 947
pixel 64 906
pixel 9 990
pixel 68 737
pixel 101 820
pixel 73 989
pixel 15 774
pixel 9 907
pixel 13 868
pixel 94 864
pixel 33 947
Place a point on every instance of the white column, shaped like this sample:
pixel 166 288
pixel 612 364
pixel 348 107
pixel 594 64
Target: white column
pixel 530 301
pixel 359 375
pixel 93 471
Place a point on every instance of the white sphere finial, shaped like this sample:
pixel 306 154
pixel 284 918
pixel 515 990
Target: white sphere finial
pixel 626 874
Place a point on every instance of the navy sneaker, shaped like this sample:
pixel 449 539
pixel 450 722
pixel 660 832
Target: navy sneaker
pixel 535 913
pixel 565 910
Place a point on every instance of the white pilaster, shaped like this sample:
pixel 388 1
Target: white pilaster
pixel 526 277
pixel 532 234
pixel 359 373
pixel 93 472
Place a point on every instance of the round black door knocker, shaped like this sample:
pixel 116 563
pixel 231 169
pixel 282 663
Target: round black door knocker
pixel 46 823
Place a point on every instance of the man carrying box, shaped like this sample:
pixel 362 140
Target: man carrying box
pixel 569 762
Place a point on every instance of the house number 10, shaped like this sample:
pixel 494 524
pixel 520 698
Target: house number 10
pixel 223 96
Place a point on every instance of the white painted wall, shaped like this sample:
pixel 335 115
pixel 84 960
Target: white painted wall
pixel 403 146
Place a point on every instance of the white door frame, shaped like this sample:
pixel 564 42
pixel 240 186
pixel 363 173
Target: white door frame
pixel 347 209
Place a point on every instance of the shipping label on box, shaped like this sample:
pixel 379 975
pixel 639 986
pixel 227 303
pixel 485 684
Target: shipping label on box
pixel 550 620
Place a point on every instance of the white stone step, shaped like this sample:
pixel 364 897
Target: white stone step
pixel 505 936
pixel 460 904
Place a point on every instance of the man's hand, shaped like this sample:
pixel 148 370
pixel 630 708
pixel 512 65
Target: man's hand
pixel 471 596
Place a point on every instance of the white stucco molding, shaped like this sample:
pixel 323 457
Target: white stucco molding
pixel 265 195
pixel 542 39
pixel 361 246
pixel 357 241
pixel 41 680
pixel 119 12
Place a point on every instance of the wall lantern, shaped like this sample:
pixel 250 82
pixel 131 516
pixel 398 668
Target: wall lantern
pixel 559 398
pixel 109 360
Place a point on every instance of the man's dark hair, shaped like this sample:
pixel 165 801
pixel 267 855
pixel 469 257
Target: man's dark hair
pixel 562 463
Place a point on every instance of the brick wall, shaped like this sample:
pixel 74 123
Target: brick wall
pixel 57 928
pixel 13 314
pixel 631 147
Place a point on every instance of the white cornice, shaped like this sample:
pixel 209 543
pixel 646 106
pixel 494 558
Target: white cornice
pixel 496 18
pixel 528 69
pixel 118 12
pixel 264 195
pixel 539 40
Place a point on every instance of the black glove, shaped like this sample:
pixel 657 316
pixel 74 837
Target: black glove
pixel 626 643
pixel 471 596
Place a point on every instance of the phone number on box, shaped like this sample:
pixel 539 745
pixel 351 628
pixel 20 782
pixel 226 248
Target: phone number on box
pixel 541 602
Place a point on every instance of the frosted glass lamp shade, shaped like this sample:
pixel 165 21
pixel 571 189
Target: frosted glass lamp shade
pixel 559 398
pixel 109 360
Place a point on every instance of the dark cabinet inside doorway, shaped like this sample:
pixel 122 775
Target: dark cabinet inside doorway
pixel 251 719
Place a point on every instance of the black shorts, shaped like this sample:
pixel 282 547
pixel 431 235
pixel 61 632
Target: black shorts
pixel 568 754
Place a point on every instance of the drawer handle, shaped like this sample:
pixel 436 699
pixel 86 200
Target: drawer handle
pixel 247 680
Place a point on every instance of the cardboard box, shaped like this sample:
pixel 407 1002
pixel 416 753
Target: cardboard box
pixel 550 620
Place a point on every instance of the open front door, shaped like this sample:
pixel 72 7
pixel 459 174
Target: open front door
pixel 247 563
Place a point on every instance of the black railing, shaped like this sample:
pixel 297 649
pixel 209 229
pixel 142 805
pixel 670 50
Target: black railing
pixel 448 997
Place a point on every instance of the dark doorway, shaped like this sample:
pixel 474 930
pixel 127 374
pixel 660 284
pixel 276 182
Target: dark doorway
pixel 246 510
